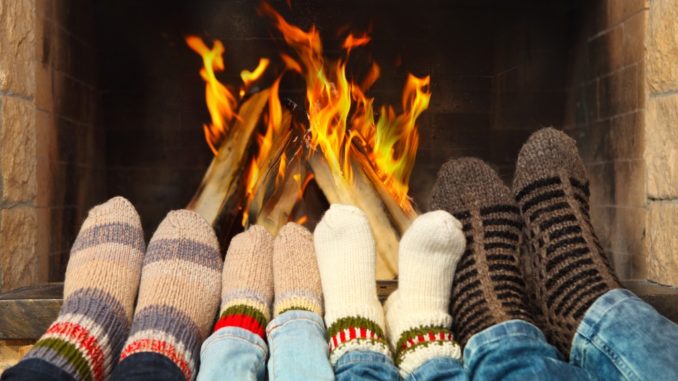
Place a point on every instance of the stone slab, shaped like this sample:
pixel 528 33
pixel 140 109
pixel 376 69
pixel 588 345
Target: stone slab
pixel 661 146
pixel 661 242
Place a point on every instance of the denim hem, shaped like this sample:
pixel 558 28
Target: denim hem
pixel 501 331
pixel 235 333
pixel 292 315
pixel 360 357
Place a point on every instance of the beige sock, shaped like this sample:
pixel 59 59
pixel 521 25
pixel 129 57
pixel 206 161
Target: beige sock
pixel 295 271
pixel 247 289
pixel 179 291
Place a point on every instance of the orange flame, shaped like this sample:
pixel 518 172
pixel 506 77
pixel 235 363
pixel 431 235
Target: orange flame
pixel 249 77
pixel 220 101
pixel 353 42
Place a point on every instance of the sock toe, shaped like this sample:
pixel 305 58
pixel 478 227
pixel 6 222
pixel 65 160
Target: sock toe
pixel 467 182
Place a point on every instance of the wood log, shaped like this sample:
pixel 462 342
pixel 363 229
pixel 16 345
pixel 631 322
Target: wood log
pixel 363 195
pixel 276 213
pixel 222 177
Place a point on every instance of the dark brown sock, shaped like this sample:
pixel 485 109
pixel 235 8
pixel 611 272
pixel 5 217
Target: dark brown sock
pixel 488 286
pixel 570 268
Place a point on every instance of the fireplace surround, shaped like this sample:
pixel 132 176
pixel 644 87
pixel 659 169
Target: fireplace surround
pixel 103 98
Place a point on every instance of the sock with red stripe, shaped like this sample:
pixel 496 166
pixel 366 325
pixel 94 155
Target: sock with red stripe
pixel 102 278
pixel 247 288
pixel 178 294
pixel 346 255
pixel 417 319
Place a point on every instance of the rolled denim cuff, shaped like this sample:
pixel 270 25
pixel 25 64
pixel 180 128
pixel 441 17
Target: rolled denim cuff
pixel 291 315
pixel 234 334
pixel 501 331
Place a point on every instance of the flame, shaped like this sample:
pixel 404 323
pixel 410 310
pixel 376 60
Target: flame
pixel 249 77
pixel 341 115
pixel 220 101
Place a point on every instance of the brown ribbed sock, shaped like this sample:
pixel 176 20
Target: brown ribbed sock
pixel 571 270
pixel 488 286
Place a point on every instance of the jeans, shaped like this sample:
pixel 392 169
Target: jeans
pixel 620 338
pixel 298 344
pixel 623 338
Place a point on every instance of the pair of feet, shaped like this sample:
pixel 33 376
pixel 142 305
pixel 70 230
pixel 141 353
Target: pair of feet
pixel 259 268
pixel 415 321
pixel 175 282
pixel 549 203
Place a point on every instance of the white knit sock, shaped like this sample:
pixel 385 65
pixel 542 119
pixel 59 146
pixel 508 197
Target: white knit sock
pixel 417 318
pixel 346 258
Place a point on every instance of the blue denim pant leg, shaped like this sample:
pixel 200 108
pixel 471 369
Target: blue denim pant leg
pixel 439 369
pixel 517 350
pixel 35 369
pixel 623 338
pixel 299 349
pixel 365 365
pixel 233 353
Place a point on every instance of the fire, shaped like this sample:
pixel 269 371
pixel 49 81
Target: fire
pixel 341 117
pixel 220 100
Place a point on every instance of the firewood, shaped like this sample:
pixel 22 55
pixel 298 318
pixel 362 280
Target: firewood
pixel 222 177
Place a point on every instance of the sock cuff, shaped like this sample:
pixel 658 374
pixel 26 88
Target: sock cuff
pixel 298 302
pixel 243 316
pixel 354 333
pixel 425 347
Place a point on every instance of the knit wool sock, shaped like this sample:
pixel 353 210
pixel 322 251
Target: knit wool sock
pixel 247 289
pixel 179 291
pixel 346 256
pixel 417 319
pixel 102 278
pixel 488 286
pixel 571 269
pixel 295 271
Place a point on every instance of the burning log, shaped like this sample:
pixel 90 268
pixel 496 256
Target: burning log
pixel 221 179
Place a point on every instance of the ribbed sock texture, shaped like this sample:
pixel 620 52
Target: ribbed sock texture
pixel 247 289
pixel 571 269
pixel 179 291
pixel 346 256
pixel 102 278
pixel 295 271
pixel 417 319
pixel 488 285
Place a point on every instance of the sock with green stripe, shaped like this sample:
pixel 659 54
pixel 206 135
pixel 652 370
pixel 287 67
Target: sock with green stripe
pixel 102 278
pixel 295 271
pixel 417 319
pixel 571 270
pixel 488 286
pixel 346 255
pixel 178 294
pixel 247 288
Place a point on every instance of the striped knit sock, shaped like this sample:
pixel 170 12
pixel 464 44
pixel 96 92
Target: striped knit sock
pixel 102 279
pixel 417 318
pixel 295 271
pixel 488 286
pixel 179 292
pixel 346 256
pixel 571 270
pixel 247 287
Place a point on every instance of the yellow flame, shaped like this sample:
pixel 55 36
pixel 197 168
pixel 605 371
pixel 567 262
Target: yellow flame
pixel 221 103
pixel 249 77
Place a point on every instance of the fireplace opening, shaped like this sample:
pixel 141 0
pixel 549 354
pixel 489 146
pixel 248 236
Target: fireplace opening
pixel 129 103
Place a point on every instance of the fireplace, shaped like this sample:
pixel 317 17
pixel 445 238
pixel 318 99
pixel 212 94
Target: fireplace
pixel 107 101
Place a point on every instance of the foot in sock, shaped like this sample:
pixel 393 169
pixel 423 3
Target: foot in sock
pixel 417 318
pixel 102 278
pixel 552 190
pixel 295 271
pixel 179 291
pixel 247 289
pixel 488 286
pixel 346 255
